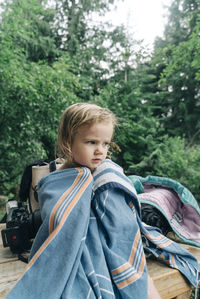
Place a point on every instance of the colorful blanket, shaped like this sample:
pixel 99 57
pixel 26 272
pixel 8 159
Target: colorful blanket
pixel 174 201
pixel 91 243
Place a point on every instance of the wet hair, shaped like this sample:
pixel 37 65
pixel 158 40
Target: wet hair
pixel 75 116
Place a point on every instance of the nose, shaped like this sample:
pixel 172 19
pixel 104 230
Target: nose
pixel 99 150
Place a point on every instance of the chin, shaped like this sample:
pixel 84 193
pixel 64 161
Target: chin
pixel 93 168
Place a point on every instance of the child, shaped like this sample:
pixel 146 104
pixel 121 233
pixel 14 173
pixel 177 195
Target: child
pixel 84 135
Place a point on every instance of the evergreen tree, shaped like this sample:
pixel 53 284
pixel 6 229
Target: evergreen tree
pixel 32 93
pixel 178 88
pixel 28 24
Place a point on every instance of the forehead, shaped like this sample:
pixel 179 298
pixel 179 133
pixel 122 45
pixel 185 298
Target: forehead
pixel 99 129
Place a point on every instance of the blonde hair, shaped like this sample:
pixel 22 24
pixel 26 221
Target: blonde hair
pixel 75 116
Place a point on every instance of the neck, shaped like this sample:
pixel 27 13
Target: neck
pixel 69 164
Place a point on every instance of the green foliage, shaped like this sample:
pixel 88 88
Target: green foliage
pixel 177 60
pixel 138 130
pixel 26 27
pixel 32 95
pixel 31 104
pixel 174 159
pixel 71 22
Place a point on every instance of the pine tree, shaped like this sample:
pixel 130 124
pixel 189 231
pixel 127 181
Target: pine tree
pixel 173 58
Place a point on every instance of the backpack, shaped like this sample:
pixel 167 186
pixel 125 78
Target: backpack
pixel 32 174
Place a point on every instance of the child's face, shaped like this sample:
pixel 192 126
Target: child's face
pixel 91 144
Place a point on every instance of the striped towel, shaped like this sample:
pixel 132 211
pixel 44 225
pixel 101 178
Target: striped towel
pixel 92 242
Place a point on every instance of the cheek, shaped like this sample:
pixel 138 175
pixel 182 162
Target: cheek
pixel 75 149
pixel 81 151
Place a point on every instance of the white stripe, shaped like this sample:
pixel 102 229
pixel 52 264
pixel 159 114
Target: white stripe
pixel 88 296
pixel 189 266
pixel 112 177
pixel 106 291
pixel 102 276
pixel 128 275
pixel 105 165
pixel 125 273
pixel 90 273
pixel 138 258
pixel 104 204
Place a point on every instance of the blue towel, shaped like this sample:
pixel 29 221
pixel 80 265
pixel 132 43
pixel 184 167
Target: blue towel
pixel 91 243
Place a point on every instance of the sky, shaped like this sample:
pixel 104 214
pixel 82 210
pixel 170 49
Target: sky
pixel 145 18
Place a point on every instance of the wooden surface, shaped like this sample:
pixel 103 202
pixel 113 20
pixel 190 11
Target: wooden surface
pixel 169 282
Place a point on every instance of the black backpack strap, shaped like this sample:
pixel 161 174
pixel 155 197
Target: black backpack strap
pixel 27 179
pixel 52 166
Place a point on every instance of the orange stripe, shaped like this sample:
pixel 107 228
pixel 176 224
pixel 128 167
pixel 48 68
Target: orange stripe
pixel 72 203
pixel 121 269
pixel 135 244
pixel 51 236
pixel 165 244
pixel 62 198
pixel 150 237
pixel 159 238
pixel 129 264
pixel 135 276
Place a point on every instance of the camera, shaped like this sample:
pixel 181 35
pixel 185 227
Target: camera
pixel 21 227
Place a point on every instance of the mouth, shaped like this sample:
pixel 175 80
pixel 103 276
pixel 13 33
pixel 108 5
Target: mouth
pixel 96 160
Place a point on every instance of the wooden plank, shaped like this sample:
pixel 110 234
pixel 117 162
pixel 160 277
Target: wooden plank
pixel 7 256
pixel 10 273
pixel 169 282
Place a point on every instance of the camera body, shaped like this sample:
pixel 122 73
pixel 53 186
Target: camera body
pixel 21 227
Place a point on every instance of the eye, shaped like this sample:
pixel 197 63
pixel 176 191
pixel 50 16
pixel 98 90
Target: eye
pixel 90 142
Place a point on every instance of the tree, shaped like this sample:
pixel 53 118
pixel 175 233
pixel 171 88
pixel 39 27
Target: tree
pixel 90 43
pixel 173 57
pixel 33 95
pixel 28 25
pixel 72 26
pixel 138 132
